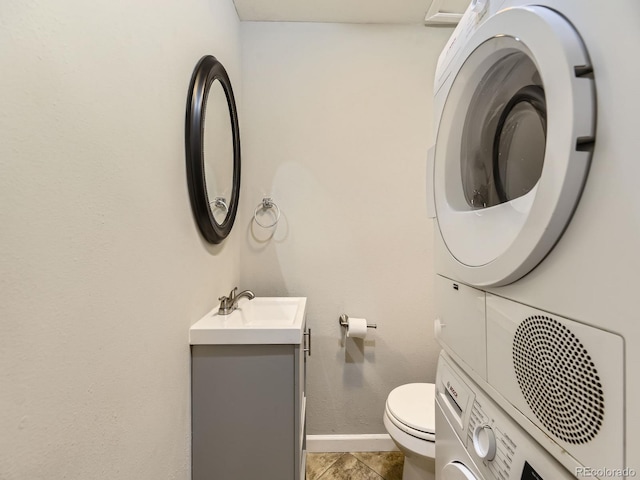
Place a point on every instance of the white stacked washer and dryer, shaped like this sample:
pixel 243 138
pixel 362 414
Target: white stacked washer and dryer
pixel 535 184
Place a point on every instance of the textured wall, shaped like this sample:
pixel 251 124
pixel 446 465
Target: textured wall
pixel 102 268
pixel 341 119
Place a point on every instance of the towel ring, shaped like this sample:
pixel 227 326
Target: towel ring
pixel 267 203
pixel 220 202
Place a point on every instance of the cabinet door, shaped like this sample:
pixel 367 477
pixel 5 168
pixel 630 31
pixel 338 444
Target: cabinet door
pixel 243 407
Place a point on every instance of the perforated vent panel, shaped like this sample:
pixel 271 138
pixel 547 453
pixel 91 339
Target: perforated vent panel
pixel 558 379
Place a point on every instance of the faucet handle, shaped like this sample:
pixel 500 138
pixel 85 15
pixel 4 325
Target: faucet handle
pixel 232 294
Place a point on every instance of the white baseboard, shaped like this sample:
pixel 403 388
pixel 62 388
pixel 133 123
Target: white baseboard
pixel 350 443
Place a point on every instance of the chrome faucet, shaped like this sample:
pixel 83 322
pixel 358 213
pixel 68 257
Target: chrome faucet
pixel 230 303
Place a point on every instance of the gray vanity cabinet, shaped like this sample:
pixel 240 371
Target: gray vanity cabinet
pixel 248 412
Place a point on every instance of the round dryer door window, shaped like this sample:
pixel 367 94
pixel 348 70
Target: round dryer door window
pixel 505 133
pixel 514 144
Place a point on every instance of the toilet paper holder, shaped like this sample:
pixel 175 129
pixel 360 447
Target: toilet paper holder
pixel 344 322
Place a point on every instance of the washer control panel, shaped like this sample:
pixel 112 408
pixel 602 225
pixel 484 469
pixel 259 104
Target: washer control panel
pixel 499 447
pixel 491 444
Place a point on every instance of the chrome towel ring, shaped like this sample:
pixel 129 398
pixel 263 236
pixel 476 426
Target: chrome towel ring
pixel 220 202
pixel 267 204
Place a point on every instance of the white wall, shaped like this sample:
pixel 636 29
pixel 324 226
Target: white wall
pixel 102 267
pixel 340 123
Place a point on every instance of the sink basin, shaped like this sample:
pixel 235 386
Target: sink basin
pixel 263 320
pixel 269 311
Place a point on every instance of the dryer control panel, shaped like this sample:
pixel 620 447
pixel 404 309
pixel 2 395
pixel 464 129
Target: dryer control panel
pixel 498 446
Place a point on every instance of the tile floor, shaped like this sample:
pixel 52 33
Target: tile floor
pixel 355 466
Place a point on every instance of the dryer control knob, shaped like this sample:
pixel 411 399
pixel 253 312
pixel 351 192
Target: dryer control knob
pixel 484 442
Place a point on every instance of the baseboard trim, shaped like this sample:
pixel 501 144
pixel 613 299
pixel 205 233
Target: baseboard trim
pixel 350 443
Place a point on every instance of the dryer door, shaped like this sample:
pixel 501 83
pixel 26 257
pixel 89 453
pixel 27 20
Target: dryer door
pixel 513 144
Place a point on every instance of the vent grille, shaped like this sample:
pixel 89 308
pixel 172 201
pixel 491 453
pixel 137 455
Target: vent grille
pixel 558 379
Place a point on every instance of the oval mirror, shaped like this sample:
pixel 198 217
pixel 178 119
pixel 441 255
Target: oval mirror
pixel 212 141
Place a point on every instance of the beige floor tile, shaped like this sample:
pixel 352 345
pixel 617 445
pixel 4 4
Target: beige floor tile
pixel 386 464
pixel 349 467
pixel 318 463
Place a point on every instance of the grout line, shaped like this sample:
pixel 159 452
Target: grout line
pixel 357 459
pixel 380 455
pixel 374 472
pixel 331 465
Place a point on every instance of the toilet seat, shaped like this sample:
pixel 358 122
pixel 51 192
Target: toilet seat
pixel 411 408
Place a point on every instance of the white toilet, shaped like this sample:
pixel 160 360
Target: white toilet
pixel 409 417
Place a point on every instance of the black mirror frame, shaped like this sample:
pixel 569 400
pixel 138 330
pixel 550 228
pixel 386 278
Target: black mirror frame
pixel 206 71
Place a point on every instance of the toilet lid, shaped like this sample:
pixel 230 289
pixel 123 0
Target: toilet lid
pixel 414 405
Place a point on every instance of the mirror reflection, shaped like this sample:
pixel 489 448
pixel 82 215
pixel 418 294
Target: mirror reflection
pixel 218 152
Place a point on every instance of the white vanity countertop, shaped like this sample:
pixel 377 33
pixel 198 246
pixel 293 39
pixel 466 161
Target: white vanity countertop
pixel 263 320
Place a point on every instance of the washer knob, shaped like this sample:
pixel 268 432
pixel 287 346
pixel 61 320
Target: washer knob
pixel 484 442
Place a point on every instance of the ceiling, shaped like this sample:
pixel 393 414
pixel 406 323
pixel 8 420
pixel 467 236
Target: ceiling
pixel 346 11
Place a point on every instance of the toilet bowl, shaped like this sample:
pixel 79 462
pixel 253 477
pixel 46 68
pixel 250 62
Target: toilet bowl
pixel 409 418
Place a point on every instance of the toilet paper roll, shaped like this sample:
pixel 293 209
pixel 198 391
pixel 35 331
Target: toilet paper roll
pixel 357 327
